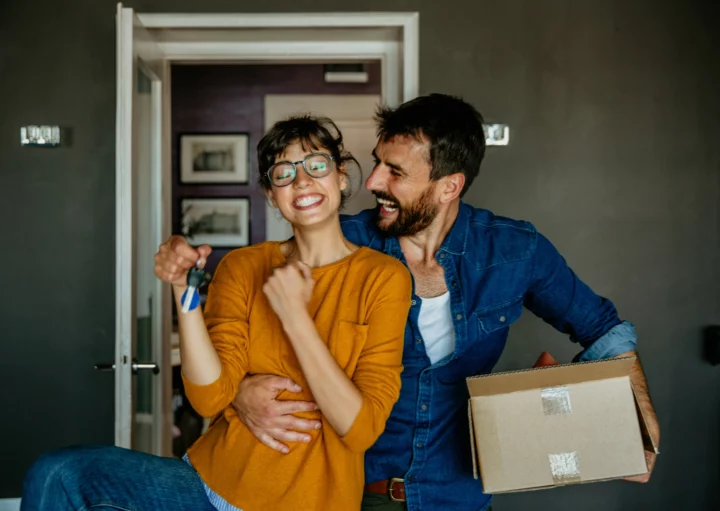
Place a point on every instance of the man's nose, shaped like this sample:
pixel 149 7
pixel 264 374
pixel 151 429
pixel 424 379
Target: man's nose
pixel 376 181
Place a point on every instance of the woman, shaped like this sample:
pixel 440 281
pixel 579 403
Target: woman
pixel 317 309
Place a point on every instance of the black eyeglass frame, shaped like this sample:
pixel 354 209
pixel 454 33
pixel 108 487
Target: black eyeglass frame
pixel 294 164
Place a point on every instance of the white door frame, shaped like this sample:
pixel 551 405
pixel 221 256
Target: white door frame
pixel 400 82
pixel 135 48
pixel 406 22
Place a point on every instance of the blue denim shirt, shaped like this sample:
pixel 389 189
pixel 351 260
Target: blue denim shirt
pixel 493 268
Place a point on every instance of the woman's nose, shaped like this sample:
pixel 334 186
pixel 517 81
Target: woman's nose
pixel 302 180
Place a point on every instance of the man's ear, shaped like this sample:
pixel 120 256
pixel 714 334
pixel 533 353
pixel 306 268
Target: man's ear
pixel 451 187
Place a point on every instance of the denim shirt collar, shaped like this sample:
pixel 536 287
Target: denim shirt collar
pixel 456 241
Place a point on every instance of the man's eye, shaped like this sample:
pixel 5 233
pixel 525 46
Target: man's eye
pixel 395 173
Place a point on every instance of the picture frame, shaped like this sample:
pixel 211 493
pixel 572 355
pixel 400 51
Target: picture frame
pixel 214 158
pixel 218 221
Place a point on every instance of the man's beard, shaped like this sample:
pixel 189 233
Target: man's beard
pixel 410 219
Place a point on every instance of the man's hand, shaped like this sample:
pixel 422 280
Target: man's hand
pixel 546 359
pixel 270 420
pixel 650 458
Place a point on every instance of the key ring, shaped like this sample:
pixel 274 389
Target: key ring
pixel 191 297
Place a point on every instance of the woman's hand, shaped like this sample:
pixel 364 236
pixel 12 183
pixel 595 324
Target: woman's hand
pixel 289 290
pixel 175 257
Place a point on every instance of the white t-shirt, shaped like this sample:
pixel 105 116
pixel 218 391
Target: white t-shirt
pixel 436 327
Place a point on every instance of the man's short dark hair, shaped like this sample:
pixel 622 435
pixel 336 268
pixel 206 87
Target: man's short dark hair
pixel 452 126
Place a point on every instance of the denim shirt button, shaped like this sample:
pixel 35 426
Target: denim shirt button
pixel 442 255
pixel 423 407
pixel 459 316
pixel 414 302
pixel 502 319
pixel 419 445
pixel 418 340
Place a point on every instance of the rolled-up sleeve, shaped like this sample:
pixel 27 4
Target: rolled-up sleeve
pixel 618 340
pixel 561 299
pixel 227 323
pixel 377 375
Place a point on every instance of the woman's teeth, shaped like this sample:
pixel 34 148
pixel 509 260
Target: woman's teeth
pixel 304 202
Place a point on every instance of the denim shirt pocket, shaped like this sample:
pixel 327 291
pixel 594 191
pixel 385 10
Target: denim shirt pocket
pixel 499 316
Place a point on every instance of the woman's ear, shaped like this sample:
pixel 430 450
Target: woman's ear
pixel 271 198
pixel 343 178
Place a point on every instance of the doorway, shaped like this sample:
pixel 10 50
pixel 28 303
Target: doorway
pixel 386 40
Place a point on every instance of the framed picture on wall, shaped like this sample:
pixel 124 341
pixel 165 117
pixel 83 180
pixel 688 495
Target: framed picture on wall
pixel 214 158
pixel 219 222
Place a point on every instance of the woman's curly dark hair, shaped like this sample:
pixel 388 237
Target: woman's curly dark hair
pixel 314 134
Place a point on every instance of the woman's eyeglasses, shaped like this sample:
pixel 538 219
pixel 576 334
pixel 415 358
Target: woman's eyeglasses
pixel 316 165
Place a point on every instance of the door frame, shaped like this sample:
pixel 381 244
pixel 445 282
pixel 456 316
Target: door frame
pixel 400 82
pixel 129 58
pixel 406 22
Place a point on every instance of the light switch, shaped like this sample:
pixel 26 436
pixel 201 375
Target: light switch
pixel 496 134
pixel 42 136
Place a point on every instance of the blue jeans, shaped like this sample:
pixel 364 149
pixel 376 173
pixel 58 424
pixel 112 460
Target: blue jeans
pixel 84 478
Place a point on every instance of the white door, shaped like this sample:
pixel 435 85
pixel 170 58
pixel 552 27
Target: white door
pixel 142 369
pixel 353 114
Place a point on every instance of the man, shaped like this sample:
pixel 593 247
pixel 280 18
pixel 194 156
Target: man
pixel 473 274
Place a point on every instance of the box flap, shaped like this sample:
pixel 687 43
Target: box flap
pixel 472 442
pixel 648 441
pixel 551 376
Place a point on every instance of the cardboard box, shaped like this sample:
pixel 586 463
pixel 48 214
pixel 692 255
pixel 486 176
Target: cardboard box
pixel 557 425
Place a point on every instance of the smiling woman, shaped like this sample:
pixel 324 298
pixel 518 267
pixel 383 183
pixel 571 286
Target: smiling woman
pixel 315 309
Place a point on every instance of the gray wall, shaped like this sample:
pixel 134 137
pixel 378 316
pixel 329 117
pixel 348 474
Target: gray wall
pixel 614 156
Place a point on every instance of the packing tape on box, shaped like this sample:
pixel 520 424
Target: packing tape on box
pixel 556 401
pixel 565 468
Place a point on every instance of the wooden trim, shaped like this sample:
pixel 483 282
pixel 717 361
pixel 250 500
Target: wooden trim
pixel 165 301
pixel 289 51
pixel 411 57
pixel 124 251
pixel 278 20
pixel 162 387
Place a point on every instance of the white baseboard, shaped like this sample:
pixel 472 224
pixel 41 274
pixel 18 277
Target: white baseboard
pixel 9 504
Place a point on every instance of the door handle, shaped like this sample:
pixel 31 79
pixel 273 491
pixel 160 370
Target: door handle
pixel 144 366
pixel 136 366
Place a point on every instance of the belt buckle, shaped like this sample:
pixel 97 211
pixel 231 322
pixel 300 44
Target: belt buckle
pixel 390 489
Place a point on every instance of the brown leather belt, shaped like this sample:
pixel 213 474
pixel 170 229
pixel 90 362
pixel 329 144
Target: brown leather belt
pixel 394 488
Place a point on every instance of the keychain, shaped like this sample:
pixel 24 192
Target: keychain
pixel 191 297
